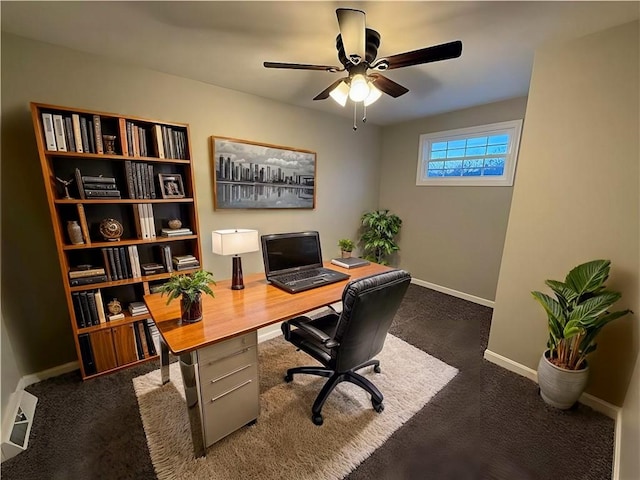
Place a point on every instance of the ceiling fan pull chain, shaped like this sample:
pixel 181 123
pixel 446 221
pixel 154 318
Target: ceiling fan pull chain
pixel 364 113
pixel 355 116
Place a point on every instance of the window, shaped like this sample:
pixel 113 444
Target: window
pixel 478 156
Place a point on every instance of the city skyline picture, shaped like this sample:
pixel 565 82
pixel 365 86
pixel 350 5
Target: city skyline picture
pixel 254 175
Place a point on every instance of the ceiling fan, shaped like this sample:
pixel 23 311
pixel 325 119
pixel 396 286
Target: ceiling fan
pixel 357 48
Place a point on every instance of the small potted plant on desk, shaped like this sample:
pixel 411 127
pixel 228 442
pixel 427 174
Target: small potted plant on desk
pixel 346 247
pixel 189 288
pixel 575 317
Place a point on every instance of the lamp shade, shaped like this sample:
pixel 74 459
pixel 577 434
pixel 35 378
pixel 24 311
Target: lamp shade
pixel 234 241
pixel 340 93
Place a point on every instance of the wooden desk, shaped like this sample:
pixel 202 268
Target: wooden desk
pixel 232 313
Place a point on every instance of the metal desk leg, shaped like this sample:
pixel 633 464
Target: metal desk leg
pixel 164 362
pixel 188 368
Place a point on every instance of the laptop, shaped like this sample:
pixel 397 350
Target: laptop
pixel 293 262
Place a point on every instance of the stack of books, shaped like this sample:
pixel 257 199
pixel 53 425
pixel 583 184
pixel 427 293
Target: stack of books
pixel 138 308
pixel 152 268
pixel 86 276
pixel 96 187
pixel 175 232
pixel 185 262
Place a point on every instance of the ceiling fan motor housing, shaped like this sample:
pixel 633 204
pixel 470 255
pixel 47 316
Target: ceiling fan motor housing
pixel 372 44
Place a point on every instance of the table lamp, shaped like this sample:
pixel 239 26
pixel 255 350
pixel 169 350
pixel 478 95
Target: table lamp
pixel 234 242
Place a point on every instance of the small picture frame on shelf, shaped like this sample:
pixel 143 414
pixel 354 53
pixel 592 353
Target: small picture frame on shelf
pixel 171 185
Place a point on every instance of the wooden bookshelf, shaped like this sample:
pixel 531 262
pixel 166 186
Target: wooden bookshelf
pixel 143 153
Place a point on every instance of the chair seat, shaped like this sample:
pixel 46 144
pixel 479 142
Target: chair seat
pixel 306 342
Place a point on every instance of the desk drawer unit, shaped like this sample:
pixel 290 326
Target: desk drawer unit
pixel 228 375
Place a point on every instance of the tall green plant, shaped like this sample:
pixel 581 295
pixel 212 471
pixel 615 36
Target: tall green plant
pixel 578 313
pixel 379 229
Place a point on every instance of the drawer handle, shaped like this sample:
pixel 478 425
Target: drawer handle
pixel 230 391
pixel 231 373
pixel 240 352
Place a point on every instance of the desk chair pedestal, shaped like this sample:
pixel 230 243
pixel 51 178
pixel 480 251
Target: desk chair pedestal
pixel 334 379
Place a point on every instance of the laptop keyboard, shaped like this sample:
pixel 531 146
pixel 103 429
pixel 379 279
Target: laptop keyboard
pixel 297 276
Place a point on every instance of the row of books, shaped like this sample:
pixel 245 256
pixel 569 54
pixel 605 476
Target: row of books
pixel 121 262
pixel 166 142
pixel 185 262
pixel 140 181
pixel 73 133
pixel 96 186
pixel 145 222
pixel 89 308
pixel 87 276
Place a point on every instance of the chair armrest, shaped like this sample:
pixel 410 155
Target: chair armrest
pixel 300 322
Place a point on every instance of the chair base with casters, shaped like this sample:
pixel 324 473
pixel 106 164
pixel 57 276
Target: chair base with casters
pixel 348 341
pixel 334 379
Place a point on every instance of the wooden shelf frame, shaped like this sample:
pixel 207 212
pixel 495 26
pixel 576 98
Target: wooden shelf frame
pixel 62 209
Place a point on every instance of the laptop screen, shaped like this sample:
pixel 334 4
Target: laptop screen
pixel 288 252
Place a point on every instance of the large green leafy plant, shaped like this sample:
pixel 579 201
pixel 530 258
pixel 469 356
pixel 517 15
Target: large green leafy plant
pixel 189 287
pixel 578 312
pixel 379 229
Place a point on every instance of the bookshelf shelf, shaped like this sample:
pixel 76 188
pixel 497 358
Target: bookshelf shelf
pixel 115 167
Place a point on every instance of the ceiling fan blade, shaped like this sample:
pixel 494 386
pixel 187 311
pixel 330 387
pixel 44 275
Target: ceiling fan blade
pixel 303 66
pixel 387 86
pixel 353 32
pixel 426 55
pixel 325 93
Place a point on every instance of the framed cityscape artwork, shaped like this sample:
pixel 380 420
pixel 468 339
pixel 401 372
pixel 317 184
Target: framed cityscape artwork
pixel 256 175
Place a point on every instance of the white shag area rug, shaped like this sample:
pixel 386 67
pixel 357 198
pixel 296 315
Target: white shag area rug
pixel 284 443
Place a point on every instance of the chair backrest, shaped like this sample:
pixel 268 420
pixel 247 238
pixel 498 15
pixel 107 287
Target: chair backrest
pixel 368 307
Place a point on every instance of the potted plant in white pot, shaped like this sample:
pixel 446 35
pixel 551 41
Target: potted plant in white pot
pixel 346 247
pixel 189 288
pixel 575 317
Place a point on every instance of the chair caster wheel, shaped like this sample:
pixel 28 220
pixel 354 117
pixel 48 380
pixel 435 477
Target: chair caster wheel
pixel 317 419
pixel 288 378
pixel 377 369
pixel 378 407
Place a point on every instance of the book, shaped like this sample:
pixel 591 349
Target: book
pixel 58 128
pixel 49 133
pixel 152 186
pixel 75 282
pixel 85 135
pixel 100 305
pixel 143 338
pixel 351 262
pixel 107 265
pixel 119 269
pixel 83 223
pixel 112 264
pixel 84 305
pixel 151 222
pixel 179 234
pixel 156 132
pixel 150 343
pixel 93 308
pixel 100 186
pixel 182 230
pixel 136 335
pixel 187 266
pixel 77 133
pixel 183 258
pixel 68 131
pixel 151 268
pixel 77 308
pixel 79 183
pixel 91 135
pixel 102 193
pixel 86 353
pixel 83 272
pixel 98 179
pixel 122 123
pixel 124 263
pixel 97 131
pixel 128 170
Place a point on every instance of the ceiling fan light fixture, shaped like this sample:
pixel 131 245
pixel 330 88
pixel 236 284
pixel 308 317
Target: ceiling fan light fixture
pixel 374 94
pixel 340 94
pixel 359 88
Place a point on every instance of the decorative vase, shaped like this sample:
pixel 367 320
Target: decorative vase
pixel 75 232
pixel 559 387
pixel 346 254
pixel 191 312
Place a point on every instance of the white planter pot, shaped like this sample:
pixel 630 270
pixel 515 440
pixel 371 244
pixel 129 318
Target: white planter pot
pixel 559 387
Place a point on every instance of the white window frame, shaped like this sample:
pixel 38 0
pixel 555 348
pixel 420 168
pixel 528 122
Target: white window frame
pixel 512 128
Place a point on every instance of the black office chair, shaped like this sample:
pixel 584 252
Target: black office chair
pixel 348 341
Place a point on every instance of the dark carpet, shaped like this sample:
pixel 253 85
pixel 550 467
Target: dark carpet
pixel 487 423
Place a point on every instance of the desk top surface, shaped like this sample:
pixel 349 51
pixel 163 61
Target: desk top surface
pixel 236 312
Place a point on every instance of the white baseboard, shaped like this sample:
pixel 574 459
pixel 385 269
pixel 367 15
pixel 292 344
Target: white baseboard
pixel 454 293
pixel 510 365
pixel 267 333
pixel 49 373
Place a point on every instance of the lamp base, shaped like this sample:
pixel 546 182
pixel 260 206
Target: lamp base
pixel 237 283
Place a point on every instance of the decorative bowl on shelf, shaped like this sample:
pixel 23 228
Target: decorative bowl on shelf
pixel 174 223
pixel 111 229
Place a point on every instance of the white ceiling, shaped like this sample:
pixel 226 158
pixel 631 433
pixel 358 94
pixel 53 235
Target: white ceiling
pixel 225 43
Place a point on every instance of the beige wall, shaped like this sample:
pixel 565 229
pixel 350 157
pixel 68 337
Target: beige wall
pixel 576 199
pixel 33 300
pixel 451 236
